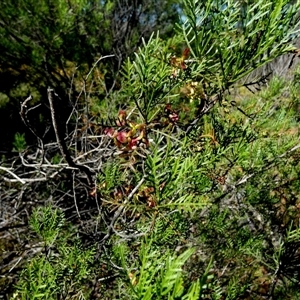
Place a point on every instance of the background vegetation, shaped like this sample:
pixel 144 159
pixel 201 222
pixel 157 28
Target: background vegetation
pixel 149 160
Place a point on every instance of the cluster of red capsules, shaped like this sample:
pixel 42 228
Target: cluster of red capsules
pixel 127 135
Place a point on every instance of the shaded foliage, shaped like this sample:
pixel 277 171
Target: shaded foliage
pixel 55 44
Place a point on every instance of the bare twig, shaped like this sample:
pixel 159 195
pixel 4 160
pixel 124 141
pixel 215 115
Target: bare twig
pixel 13 174
pixel 95 64
pixel 74 197
pixel 59 133
pixel 23 113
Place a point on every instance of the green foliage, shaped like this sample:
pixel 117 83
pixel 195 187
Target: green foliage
pixel 47 223
pixel 230 39
pixel 62 268
pixel 56 159
pixel 56 44
pixel 159 275
pixel 171 173
pixel 149 77
pixel 111 177
pixel 170 229
pixel 196 192
pixel 19 142
pixel 184 179
pixel 4 99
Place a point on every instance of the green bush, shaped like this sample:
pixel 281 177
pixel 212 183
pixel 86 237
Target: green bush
pixel 191 189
